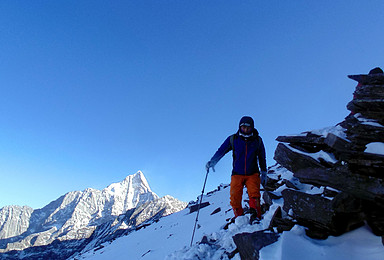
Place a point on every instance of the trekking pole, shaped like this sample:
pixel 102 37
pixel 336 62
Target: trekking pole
pixel 198 206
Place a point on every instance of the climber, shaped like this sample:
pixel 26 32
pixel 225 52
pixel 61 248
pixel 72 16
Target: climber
pixel 248 154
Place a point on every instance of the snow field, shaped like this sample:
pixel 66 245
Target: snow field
pixel 170 238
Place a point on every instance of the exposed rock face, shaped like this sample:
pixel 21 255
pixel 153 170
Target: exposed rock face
pixel 80 219
pixel 344 158
pixel 249 244
pixel 369 97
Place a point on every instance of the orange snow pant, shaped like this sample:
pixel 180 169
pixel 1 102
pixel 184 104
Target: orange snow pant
pixel 252 182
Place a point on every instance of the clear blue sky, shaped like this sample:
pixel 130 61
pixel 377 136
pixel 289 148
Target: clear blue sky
pixel 92 91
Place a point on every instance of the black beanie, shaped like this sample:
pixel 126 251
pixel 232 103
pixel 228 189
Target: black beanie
pixel 247 120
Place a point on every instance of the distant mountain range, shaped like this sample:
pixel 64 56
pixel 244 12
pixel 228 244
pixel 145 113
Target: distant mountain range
pixel 81 219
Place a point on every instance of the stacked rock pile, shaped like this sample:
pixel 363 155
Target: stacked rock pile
pixel 365 125
pixel 344 163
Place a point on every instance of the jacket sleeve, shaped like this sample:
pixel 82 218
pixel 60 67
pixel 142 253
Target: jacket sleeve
pixel 261 156
pixel 223 150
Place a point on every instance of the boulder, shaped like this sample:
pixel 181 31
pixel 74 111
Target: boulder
pixel 324 216
pixel 293 160
pixel 310 210
pixel 194 208
pixel 249 244
pixel 306 142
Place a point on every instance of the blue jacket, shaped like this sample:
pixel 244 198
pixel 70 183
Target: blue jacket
pixel 248 154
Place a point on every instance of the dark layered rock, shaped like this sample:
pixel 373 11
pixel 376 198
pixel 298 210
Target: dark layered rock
pixel 370 108
pixel 338 158
pixel 362 131
pixel 194 208
pixel 362 186
pixel 369 100
pixel 337 145
pixel 368 97
pixel 279 222
pixel 307 142
pixel 322 215
pixel 369 79
pixel 294 160
pixel 249 244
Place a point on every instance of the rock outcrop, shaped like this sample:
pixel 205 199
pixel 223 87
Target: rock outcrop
pixel 339 171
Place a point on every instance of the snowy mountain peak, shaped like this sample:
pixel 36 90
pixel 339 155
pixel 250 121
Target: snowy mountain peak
pixel 76 215
pixel 136 180
pixel 133 191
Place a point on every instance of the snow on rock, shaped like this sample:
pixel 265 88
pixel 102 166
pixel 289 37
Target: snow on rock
pixel 318 156
pixel 336 130
pixel 367 121
pixel 375 148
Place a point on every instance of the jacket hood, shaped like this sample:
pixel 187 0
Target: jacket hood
pixel 248 121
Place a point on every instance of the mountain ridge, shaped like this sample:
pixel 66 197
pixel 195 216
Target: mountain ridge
pixel 76 215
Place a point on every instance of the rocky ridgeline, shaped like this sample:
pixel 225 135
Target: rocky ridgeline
pixel 345 166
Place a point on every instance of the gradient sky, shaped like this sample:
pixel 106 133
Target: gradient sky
pixel 93 91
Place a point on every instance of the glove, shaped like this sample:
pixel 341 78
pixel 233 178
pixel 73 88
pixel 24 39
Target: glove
pixel 210 164
pixel 263 178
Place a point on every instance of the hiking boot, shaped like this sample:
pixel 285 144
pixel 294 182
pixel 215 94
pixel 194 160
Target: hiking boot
pixel 255 216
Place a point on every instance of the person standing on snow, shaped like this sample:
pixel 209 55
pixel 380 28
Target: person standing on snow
pixel 248 154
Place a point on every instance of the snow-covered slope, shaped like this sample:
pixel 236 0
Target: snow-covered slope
pixel 169 234
pixel 132 221
pixel 14 220
pixel 170 237
pixel 76 219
